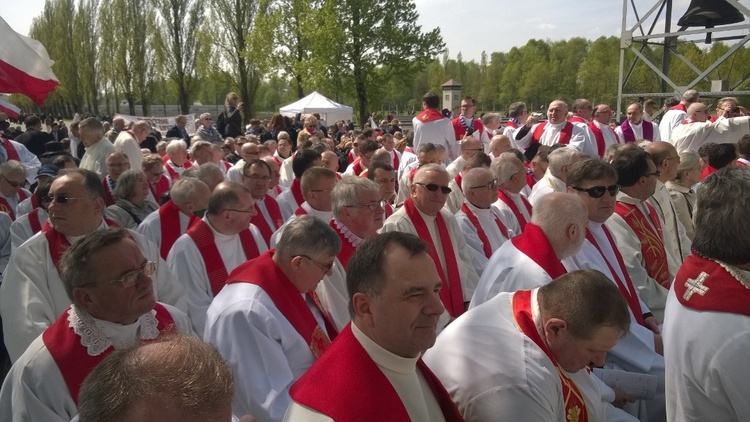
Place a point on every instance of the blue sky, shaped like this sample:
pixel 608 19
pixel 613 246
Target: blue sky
pixel 472 26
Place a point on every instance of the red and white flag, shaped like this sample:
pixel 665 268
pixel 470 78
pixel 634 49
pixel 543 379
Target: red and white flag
pixel 10 109
pixel 25 66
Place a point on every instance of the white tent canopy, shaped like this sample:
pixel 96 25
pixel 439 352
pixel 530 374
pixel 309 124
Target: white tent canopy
pixel 329 110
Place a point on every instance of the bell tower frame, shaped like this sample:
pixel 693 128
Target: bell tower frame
pixel 642 30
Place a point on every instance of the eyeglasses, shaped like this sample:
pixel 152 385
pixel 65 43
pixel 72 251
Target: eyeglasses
pixel 60 199
pixel 256 178
pixel 371 206
pixel 432 187
pixel 657 173
pixel 491 185
pixel 326 267
pixel 598 191
pixel 11 182
pixel 250 211
pixel 130 279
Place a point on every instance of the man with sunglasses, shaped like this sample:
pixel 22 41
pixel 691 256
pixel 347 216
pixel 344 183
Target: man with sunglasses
pixel 639 351
pixel 533 258
pixel 697 130
pixel 424 216
pixel 32 294
pixel 637 228
pixel 210 249
pixel 482 228
pixel 109 283
pixel 267 321
pixel 358 214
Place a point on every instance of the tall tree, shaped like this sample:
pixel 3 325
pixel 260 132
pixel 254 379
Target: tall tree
pixel 178 22
pixel 239 35
pixel 376 37
pixel 86 46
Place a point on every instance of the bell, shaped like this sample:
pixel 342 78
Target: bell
pixel 710 13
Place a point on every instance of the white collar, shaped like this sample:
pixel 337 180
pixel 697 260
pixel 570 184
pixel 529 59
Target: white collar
pixel 98 335
pixel 383 357
pixel 355 240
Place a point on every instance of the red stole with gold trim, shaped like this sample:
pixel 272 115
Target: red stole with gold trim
pixel 347 249
pixel 10 149
pixel 451 293
pixel 169 222
pixel 486 245
pixel 565 133
pixel 626 287
pixel 6 208
pixel 507 200
pixel 429 115
pixel 264 273
pixel 651 238
pixel 705 285
pixel 572 397
pixel 72 358
pixel 260 221
pixel 203 237
pixel 159 187
pixel 534 244
pixel 338 373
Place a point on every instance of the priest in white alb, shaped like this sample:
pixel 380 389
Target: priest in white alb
pixel 512 207
pixel 637 127
pixel 556 130
pixel 256 176
pixel 697 130
pixel 560 161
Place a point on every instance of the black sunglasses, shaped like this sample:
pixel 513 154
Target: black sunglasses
pixel 434 188
pixel 598 191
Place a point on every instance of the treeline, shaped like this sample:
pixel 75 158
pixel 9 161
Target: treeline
pixel 271 52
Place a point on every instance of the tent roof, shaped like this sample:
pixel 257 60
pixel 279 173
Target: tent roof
pixel 318 103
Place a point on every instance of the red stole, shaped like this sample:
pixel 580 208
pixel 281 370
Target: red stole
pixel 73 359
pixel 507 200
pixel 159 187
pixel 429 115
pixel 35 200
pixel 10 149
pixel 626 287
pixel 451 293
pixel 6 208
pixel 486 245
pixel 651 238
pixel 264 272
pixel 458 179
pixel 628 134
pixel 275 158
pixel 704 285
pixel 395 162
pixel 572 397
pixel 34 222
pixel 459 130
pixel 530 178
pixel 203 237
pixel 412 173
pixel 169 220
pixel 347 249
pixel 512 124
pixel 58 243
pixel 172 172
pixel 296 189
pixel 679 106
pixel 341 371
pixel 260 221
pixel 409 150
pixel 388 210
pixel 577 119
pixel 599 135
pixel 707 171
pixel 357 168
pixel 109 197
pixel 351 156
pixel 534 244
pixel 565 133
pixel 300 211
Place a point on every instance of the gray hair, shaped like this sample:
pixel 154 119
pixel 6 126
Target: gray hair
pixel 75 264
pixel 126 183
pixel 690 96
pixel 426 147
pixel 490 117
pixel 91 125
pixel 176 145
pixel 209 173
pixel 225 195
pixel 688 161
pixel 516 109
pixel 470 178
pixel 307 235
pixel 556 211
pixel 184 189
pixel 721 229
pixel 347 190
pixel 505 166
pixel 13 167
pixel 204 116
pixel 560 158
pixel 195 146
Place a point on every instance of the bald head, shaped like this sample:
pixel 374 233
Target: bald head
pixel 562 217
pixel 697 112
pixel 470 146
pixel 499 144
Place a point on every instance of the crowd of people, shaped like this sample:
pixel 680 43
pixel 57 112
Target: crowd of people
pixel 467 269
